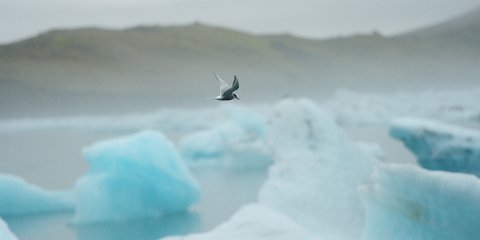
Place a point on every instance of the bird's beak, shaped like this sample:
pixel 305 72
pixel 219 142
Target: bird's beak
pixel 237 97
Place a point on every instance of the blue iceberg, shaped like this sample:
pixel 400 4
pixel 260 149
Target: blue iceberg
pixel 19 197
pixel 409 202
pixel 136 176
pixel 440 146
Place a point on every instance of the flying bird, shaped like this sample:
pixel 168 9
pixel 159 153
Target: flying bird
pixel 226 91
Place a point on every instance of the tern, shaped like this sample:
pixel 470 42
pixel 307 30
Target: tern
pixel 226 91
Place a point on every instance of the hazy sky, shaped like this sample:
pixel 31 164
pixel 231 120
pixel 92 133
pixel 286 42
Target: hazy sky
pixel 311 18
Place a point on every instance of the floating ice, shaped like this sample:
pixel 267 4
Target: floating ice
pixel 20 197
pixel 316 173
pixel 440 146
pixel 227 144
pixel 408 202
pixel 133 177
pixel 351 108
pixel 175 120
pixel 5 233
pixel 312 184
pixel 238 142
pixel 254 222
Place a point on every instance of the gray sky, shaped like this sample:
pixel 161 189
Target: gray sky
pixel 310 18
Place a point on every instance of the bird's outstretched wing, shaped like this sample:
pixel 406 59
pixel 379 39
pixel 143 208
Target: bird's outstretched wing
pixel 224 86
pixel 235 86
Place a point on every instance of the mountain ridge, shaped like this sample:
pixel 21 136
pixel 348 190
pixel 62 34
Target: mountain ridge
pixel 469 20
pixel 161 62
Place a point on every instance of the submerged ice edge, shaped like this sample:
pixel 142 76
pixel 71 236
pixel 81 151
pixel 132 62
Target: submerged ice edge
pixel 5 233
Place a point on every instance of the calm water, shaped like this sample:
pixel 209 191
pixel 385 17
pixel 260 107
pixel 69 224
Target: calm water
pixel 52 160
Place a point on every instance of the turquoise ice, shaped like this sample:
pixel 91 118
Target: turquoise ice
pixel 440 146
pixel 136 176
pixel 18 197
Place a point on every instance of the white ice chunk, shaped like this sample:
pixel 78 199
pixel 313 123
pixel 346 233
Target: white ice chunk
pixel 254 222
pixel 360 109
pixel 240 142
pixel 19 197
pixel 317 171
pixel 408 202
pixel 134 177
pixel 5 233
pixel 440 146
pixel 227 144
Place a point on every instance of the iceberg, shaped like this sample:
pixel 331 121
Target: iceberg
pixel 440 146
pixel 136 176
pixel 19 197
pixel 167 120
pixel 311 190
pixel 409 202
pixel 317 171
pixel 239 142
pixel 228 144
pixel 5 233
pixel 254 222
pixel 374 110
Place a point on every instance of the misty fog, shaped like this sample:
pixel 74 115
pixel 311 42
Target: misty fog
pixel 108 129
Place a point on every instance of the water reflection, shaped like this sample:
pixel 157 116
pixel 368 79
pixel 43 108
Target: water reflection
pixel 142 229
pixel 56 226
pixel 41 226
